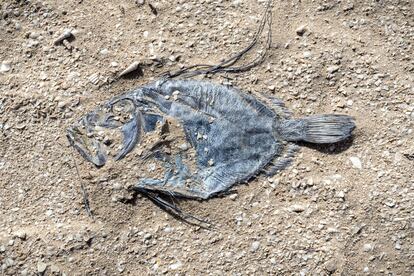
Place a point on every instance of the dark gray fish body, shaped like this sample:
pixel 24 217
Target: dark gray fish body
pixel 206 137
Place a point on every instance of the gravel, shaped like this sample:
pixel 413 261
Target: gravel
pixel 342 210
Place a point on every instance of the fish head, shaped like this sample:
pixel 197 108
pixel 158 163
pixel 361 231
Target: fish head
pixel 109 132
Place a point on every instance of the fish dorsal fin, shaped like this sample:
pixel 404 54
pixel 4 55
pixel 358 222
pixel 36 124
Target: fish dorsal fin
pixel 277 106
pixel 257 105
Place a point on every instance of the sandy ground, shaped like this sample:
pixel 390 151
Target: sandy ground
pixel 339 210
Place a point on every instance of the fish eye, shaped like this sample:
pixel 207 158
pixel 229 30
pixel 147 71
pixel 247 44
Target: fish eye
pixel 123 106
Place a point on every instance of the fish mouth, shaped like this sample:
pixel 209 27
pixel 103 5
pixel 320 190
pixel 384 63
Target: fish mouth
pixel 90 148
pixel 101 135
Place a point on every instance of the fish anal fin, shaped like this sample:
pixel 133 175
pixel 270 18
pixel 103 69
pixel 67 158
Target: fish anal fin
pixel 281 162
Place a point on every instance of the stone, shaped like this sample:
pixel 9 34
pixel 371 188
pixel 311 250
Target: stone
pixel 41 267
pixel 356 162
pixel 20 234
pixel 54 269
pixel 140 2
pixel 297 208
pixel 176 265
pixel 104 51
pixel 331 266
pixel 307 54
pixel 368 247
pixel 332 69
pixel 341 194
pixel 5 66
pixel 301 30
pixel 233 196
pixel 255 246
pixel 8 262
pixel 397 246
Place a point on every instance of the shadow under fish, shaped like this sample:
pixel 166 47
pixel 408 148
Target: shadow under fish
pixel 196 139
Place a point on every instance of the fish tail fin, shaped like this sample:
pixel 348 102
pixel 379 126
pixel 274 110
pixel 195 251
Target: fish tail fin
pixel 318 129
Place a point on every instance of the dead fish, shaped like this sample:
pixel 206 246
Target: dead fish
pixel 200 138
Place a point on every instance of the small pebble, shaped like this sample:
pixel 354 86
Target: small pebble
pixel 367 247
pixel 297 208
pixel 233 196
pixel 397 246
pixel 9 262
pixel 20 234
pixel 341 194
pixel 117 186
pixel 332 69
pixel 43 76
pixel 54 269
pixel 120 267
pixel 301 30
pixel 168 229
pixel 356 162
pixel 33 35
pixel 307 54
pixel 176 265
pixel 183 146
pixel 331 266
pixel 255 246
pixel 104 51
pixel 5 66
pixel 41 267
pixel 390 202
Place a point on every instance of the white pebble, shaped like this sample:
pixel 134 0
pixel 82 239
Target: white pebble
pixel 368 247
pixel 307 54
pixel 104 51
pixel 297 208
pixel 332 69
pixel 5 67
pixel 356 162
pixel 41 267
pixel 255 246
pixel 176 265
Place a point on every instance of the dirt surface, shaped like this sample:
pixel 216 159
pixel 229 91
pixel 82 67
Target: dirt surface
pixel 343 210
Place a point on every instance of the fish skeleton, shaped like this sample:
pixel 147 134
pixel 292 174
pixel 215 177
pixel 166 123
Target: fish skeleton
pixel 196 139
